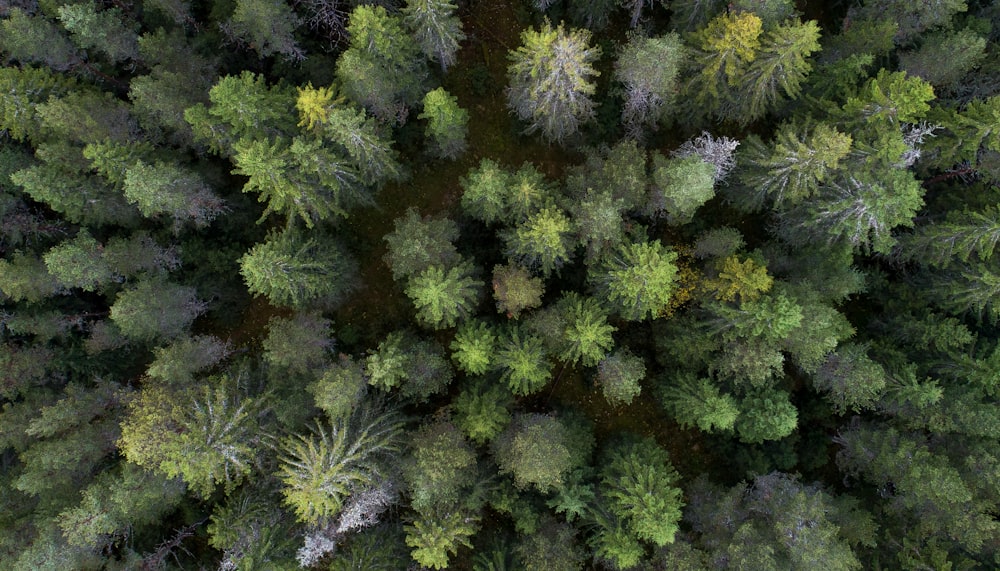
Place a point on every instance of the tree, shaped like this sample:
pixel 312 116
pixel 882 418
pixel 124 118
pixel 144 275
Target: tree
pixel 23 89
pixel 416 244
pixel 342 387
pixel 779 69
pixel 168 189
pixel 640 486
pixel 482 410
pixel 440 467
pixel 850 379
pixel 618 376
pixel 485 192
pixel 648 69
pixel 695 402
pixel 178 362
pixel 206 437
pixel 639 280
pixel 319 472
pixel 793 168
pixel 543 241
pixel 265 26
pixel 766 415
pixel 443 298
pixel 473 347
pixel 300 345
pixel 516 290
pixel 585 332
pixel 536 451
pixel 418 366
pixel 724 50
pixel 550 81
pixel 553 548
pixel 79 263
pixel 304 178
pixel 944 58
pixel 155 309
pixel 447 123
pixel 860 209
pixel 680 186
pixel 435 535
pixel 383 68
pixel 292 270
pixel 30 38
pixel 106 31
pixel 436 29
pixel 740 280
pixel 523 362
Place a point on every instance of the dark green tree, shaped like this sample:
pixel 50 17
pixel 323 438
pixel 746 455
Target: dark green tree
pixel 436 28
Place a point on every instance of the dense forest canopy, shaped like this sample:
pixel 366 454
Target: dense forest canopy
pixel 518 284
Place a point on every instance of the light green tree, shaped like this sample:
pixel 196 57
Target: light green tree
pixel 482 410
pixel 648 69
pixel 638 280
pixel 551 80
pixel 473 347
pixel 680 186
pixel 447 123
pixel 695 402
pixel 586 335
pixel 640 486
pixel 444 297
pixel 436 535
pixel 523 362
pixel 543 241
pixel 418 243
pixel 618 376
pixel 320 471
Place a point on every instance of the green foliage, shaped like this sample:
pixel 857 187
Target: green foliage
pixel 779 69
pixel 318 472
pixel 551 80
pixel 585 332
pixel 420 367
pixel 436 28
pixel 341 388
pixel 436 535
pixel 473 347
pixel 640 485
pixel 107 31
pixel 155 309
pixel 850 379
pixel 485 192
pixel 205 437
pixel 890 98
pixel 443 298
pixel 79 198
pixel 695 402
pixel 639 280
pixel 944 58
pixel 298 345
pixel 911 19
pixel 32 38
pixel 860 209
pixel 482 410
pixel 618 376
pixel 536 450
pixel 766 415
pixel 79 263
pixel 680 187
pixel 379 549
pixel 383 68
pixel 447 123
pixel 793 167
pixel 178 362
pixel 515 290
pixel 168 189
pixel 294 270
pixel 523 362
pixel 115 503
pixel 266 26
pixel 441 465
pixel 647 68
pixel 553 548
pixel 544 241
pixel 416 244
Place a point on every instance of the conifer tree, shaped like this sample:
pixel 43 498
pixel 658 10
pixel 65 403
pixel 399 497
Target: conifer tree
pixel 447 123
pixel 444 297
pixel 436 28
pixel 648 69
pixel 550 81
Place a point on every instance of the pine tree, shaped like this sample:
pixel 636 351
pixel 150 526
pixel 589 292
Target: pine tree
pixel 543 241
pixel 695 402
pixel 320 471
pixel 640 486
pixel 293 270
pixel 155 309
pixel 444 297
pixel 473 347
pixel 618 376
pixel 550 81
pixel 436 29
pixel 638 280
pixel 265 26
pixel 419 243
pixel 648 69
pixel 447 123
